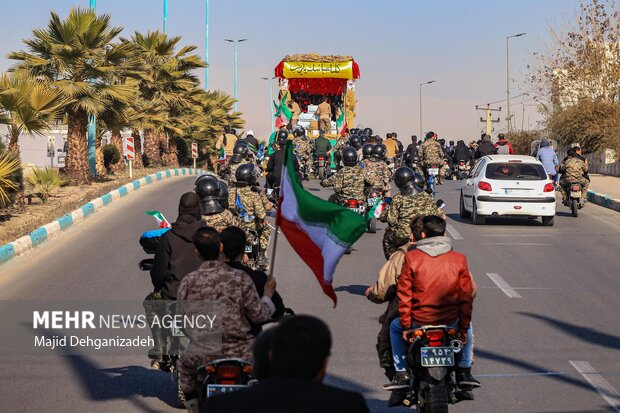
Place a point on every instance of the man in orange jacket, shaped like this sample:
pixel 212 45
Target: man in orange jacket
pixel 435 287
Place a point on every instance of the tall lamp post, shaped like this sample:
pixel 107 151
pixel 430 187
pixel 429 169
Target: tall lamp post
pixel 166 16
pixel 236 42
pixel 422 84
pixel 207 46
pixel 269 79
pixel 91 135
pixel 508 78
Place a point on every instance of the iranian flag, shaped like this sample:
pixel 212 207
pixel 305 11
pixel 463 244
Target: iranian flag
pixel 283 113
pixel 319 231
pixel 162 222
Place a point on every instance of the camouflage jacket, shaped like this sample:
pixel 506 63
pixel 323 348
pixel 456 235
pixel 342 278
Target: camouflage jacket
pixel 430 153
pixel 404 209
pixel 237 304
pixel 303 148
pixel 222 220
pixel 341 143
pixel 348 183
pixel 574 168
pixel 251 201
pixel 377 173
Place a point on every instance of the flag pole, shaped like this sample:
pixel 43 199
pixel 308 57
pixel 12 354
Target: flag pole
pixel 276 226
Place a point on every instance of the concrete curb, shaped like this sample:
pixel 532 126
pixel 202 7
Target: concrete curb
pixel 604 200
pixel 39 235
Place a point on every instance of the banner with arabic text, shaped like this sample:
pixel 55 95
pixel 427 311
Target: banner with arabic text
pixel 318 70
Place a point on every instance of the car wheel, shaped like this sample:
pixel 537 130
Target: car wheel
pixel 548 221
pixel 477 218
pixel 462 211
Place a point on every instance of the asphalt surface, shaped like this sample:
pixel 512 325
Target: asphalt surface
pixel 558 304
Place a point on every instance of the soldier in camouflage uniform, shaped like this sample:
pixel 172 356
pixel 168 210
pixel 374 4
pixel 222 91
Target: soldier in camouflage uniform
pixel 231 292
pixel 303 150
pixel 376 172
pixel 348 182
pixel 240 154
pixel 410 203
pixel 342 142
pixel 210 191
pixel 251 207
pixel 573 168
pixel 431 153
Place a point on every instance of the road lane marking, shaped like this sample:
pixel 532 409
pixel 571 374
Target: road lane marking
pixel 517 235
pixel 453 232
pixel 598 382
pixel 513 243
pixel 503 285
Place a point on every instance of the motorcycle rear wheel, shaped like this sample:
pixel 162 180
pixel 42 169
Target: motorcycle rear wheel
pixel 321 172
pixel 436 400
pixel 372 225
pixel 574 207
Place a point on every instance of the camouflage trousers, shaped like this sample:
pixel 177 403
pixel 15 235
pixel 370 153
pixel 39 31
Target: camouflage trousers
pixel 393 240
pixel 264 235
pixel 585 184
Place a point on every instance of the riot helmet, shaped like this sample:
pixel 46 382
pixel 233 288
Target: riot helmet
pixel 367 150
pixel 378 151
pixel 245 174
pixel 355 141
pixel 349 156
pixel 208 190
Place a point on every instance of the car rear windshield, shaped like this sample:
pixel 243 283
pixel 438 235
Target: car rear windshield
pixel 516 171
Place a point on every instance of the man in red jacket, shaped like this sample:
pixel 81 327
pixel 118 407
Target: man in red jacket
pixel 435 287
pixel 503 146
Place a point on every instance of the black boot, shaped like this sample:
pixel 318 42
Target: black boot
pixel 399 382
pixel 465 380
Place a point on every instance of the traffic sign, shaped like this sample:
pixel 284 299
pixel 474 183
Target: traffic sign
pixel 129 150
pixel 194 150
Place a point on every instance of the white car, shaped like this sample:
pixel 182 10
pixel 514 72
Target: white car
pixel 508 185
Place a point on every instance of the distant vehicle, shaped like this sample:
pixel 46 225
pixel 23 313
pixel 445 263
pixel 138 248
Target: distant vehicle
pixel 62 155
pixel 508 185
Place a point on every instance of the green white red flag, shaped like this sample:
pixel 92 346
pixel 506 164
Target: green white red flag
pixel 162 222
pixel 319 231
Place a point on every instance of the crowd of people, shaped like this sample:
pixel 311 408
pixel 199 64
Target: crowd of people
pixel 424 281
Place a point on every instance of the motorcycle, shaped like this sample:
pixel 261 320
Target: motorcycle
pixel 433 358
pixel 460 170
pixel 357 207
pixel 321 166
pixel 224 376
pixel 573 197
pixel 373 199
pixel 431 180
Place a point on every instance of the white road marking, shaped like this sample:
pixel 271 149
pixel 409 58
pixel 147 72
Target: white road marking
pixel 513 243
pixel 503 285
pixel 517 235
pixel 453 232
pixel 602 386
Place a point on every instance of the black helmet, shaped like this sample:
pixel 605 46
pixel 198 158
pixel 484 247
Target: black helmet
pixel 354 131
pixel 223 194
pixel 367 131
pixel 282 135
pixel 349 156
pixel 245 174
pixel 363 138
pixel 355 141
pixel 367 150
pixel 408 181
pixel 298 132
pixel 240 151
pixel 208 189
pixel 378 151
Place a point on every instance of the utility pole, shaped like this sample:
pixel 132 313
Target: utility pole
pixel 488 118
pixel 508 115
pixel 236 43
pixel 207 47
pixel 422 84
pixel 91 132
pixel 166 16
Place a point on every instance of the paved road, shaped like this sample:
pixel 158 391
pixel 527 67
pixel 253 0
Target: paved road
pixel 558 303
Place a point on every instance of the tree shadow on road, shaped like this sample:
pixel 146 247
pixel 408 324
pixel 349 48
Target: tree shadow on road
pixel 586 334
pixel 374 405
pixel 355 289
pixel 531 367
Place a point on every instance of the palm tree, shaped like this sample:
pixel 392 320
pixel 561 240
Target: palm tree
pixel 166 88
pixel 73 55
pixel 29 105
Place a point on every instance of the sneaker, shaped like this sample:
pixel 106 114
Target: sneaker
pixel 465 379
pixel 400 381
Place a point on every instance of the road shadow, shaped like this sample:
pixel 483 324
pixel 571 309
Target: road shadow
pixel 531 367
pixel 355 289
pixel 586 334
pixel 496 221
pixel 374 405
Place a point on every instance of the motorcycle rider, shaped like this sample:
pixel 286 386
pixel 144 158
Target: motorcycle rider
pixel 503 146
pixel 251 208
pixel 356 142
pixel 391 148
pixel 276 162
pixel 461 153
pixel 366 153
pixel 226 141
pixel 346 182
pixel 241 305
pixel 303 150
pixel 442 294
pixel 431 154
pixel 485 147
pixel 376 172
pixel 239 156
pixel 574 169
pixel 214 213
pixel 412 201
pixel 341 143
pixel 322 147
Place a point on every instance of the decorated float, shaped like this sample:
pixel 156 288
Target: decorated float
pixel 306 79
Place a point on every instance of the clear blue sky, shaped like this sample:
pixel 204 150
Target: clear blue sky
pixel 398 44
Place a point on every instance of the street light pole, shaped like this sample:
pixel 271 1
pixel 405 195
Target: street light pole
pixel 422 84
pixel 91 131
pixel 236 42
pixel 166 16
pixel 508 116
pixel 207 47
pixel 271 109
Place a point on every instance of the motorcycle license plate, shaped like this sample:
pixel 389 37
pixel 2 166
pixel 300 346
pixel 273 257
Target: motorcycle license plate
pixel 248 249
pixel 215 389
pixel 575 194
pixel 437 356
pixel 433 171
pixel 269 191
pixel 321 163
pixel 373 201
